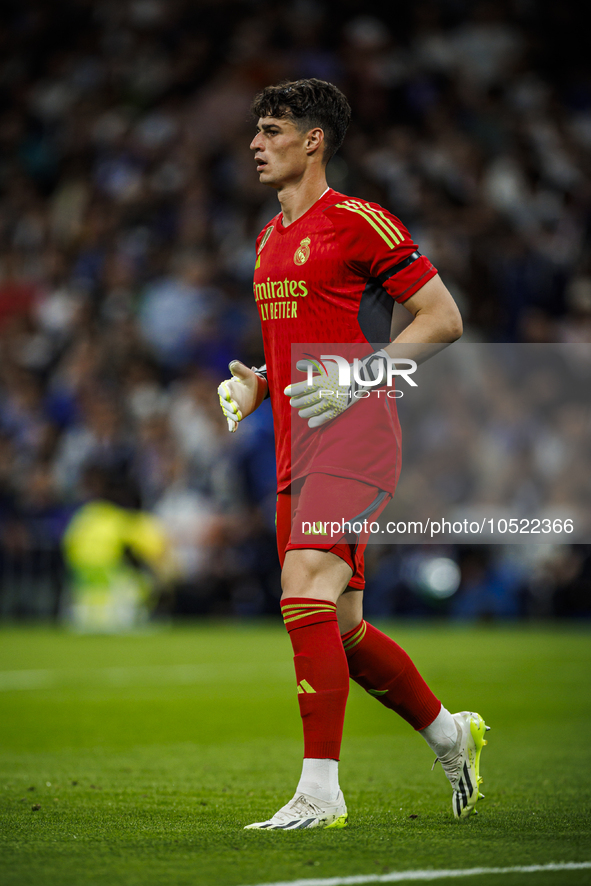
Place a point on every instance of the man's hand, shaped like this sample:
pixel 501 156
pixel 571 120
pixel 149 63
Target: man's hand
pixel 325 398
pixel 241 394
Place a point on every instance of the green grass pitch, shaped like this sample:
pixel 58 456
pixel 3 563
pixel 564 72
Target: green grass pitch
pixel 147 754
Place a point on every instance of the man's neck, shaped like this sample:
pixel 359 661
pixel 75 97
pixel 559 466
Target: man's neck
pixel 296 198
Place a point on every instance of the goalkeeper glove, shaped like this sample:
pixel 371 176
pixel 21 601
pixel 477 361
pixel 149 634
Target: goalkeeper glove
pixel 243 393
pixel 321 398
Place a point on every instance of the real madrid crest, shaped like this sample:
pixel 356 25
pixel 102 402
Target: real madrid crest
pixel 302 253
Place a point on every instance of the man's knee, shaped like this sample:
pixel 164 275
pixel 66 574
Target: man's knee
pixel 312 573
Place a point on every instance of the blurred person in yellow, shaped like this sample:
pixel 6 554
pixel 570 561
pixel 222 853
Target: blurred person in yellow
pixel 118 557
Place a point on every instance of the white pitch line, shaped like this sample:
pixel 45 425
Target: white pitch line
pixel 181 675
pixel 405 876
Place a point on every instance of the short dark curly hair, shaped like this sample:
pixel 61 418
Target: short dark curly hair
pixel 308 103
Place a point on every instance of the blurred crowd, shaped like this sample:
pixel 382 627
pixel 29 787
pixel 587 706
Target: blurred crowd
pixel 129 208
pixel 494 431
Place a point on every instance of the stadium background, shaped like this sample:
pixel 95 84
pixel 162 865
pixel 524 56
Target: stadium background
pixel 129 208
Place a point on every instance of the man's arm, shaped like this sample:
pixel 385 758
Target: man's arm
pixel 436 324
pixel 436 321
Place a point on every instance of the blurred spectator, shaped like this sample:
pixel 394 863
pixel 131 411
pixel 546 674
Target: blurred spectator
pixel 118 559
pixel 175 309
pixel 488 590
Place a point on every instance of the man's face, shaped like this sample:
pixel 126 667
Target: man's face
pixel 280 150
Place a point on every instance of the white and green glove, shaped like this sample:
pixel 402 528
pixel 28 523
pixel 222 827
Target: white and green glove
pixel 320 398
pixel 243 393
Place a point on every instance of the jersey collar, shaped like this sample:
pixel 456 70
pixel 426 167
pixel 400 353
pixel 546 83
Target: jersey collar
pixel 281 229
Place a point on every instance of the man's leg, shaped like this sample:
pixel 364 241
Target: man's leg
pixel 318 564
pixel 387 673
pixel 384 669
pixel 312 582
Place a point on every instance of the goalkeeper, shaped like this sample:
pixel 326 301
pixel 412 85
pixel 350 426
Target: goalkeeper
pixel 330 267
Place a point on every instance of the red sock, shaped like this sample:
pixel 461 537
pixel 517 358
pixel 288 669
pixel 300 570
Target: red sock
pixel 384 670
pixel 321 671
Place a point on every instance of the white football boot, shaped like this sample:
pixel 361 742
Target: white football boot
pixel 304 811
pixel 462 764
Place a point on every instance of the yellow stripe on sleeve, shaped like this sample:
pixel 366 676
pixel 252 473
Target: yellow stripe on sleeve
pixel 381 218
pixel 385 236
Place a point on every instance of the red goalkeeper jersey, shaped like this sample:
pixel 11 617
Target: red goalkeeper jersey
pixel 333 276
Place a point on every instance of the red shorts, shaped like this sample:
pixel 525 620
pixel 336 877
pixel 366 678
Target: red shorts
pixel 329 514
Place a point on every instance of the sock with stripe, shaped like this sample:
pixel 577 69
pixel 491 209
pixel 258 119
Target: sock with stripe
pixel 384 670
pixel 321 671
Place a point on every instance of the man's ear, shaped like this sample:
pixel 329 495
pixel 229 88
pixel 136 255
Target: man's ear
pixel 315 140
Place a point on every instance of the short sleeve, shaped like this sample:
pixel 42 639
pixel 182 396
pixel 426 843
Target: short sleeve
pixel 375 244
